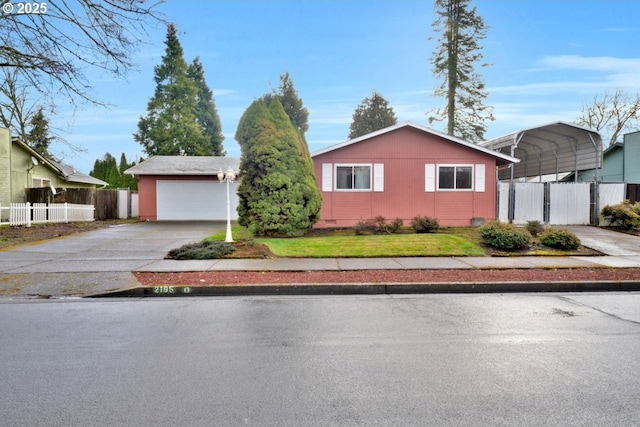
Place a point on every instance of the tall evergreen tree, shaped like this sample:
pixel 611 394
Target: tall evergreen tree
pixel 206 112
pixel 291 102
pixel 111 172
pixel 171 126
pixel 105 169
pixel 124 180
pixel 454 60
pixel 371 115
pixel 39 137
pixel 278 194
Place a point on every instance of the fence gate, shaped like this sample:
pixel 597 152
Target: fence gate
pixel 569 203
pixel 529 202
pixel 556 203
pixel 610 194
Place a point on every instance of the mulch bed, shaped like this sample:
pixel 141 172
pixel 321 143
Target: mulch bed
pixel 390 276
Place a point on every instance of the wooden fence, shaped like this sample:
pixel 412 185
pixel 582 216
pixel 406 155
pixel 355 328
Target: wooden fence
pixel 107 205
pixel 633 192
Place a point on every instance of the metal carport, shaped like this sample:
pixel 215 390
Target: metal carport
pixel 550 149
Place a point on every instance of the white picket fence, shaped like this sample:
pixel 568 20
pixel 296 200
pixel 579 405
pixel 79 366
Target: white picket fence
pixel 41 213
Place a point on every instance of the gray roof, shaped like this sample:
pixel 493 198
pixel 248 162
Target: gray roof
pixel 68 173
pixel 71 175
pixel 550 149
pixel 184 165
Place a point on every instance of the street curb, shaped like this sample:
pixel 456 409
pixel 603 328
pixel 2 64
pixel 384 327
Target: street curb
pixel 368 289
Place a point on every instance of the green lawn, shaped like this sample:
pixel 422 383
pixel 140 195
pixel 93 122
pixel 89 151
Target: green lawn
pixel 447 242
pixel 395 245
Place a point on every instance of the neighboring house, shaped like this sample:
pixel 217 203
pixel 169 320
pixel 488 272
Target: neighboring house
pixel 22 167
pixel 184 188
pixel 620 163
pixel 407 170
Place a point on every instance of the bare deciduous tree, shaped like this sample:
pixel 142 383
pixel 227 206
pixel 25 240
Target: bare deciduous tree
pixel 611 114
pixel 15 114
pixel 50 50
pixel 19 113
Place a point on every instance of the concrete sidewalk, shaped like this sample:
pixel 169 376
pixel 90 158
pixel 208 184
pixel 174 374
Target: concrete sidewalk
pixel 104 261
pixel 409 263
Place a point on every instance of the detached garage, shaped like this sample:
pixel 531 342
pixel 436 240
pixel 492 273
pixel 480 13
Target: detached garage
pixel 184 188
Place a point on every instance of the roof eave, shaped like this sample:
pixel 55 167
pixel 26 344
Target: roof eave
pixel 504 157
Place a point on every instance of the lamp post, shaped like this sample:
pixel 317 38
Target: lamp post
pixel 228 176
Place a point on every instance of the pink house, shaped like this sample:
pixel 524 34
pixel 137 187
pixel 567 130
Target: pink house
pixel 407 170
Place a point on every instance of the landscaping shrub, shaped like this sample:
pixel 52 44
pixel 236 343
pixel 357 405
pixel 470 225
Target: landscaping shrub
pixel 378 225
pixel 534 227
pixel 205 249
pixel 364 227
pixel 624 215
pixel 504 236
pixel 559 239
pixel 395 225
pixel 424 224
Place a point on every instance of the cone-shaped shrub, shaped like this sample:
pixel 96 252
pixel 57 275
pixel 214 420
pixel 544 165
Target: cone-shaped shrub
pixel 278 194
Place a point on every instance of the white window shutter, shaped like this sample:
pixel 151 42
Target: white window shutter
pixel 378 177
pixel 327 177
pixel 429 178
pixel 480 178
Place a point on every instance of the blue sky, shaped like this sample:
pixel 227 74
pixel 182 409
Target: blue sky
pixel 548 58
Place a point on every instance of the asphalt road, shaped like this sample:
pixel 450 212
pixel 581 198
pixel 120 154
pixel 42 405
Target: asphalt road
pixel 460 360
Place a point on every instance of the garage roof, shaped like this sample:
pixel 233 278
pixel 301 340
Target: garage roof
pixel 550 149
pixel 184 165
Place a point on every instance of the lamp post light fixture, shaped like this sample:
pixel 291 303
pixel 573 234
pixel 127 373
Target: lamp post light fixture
pixel 228 176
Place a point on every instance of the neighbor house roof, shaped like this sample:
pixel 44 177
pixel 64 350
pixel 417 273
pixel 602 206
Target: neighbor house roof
pixel 184 165
pixel 68 173
pixel 501 158
pixel 71 175
pixel 551 149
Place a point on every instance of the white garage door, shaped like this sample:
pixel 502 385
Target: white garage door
pixel 194 200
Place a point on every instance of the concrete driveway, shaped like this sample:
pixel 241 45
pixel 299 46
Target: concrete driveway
pixel 99 260
pixel 606 241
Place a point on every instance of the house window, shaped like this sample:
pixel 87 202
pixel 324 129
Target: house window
pixel 455 177
pixel 353 177
pixel 40 182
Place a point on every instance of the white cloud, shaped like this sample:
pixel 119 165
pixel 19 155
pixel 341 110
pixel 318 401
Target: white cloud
pixel 222 92
pixel 595 63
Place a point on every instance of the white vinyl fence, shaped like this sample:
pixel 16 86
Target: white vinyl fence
pixel 611 194
pixel 569 203
pixel 529 202
pixel 556 203
pixel 41 213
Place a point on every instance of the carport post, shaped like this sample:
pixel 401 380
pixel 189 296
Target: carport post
pixel 512 190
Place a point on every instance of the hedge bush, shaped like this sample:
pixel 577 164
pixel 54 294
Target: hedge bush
pixel 559 239
pixel 424 224
pixel 504 236
pixel 624 215
pixel 378 225
pixel 534 227
pixel 205 249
